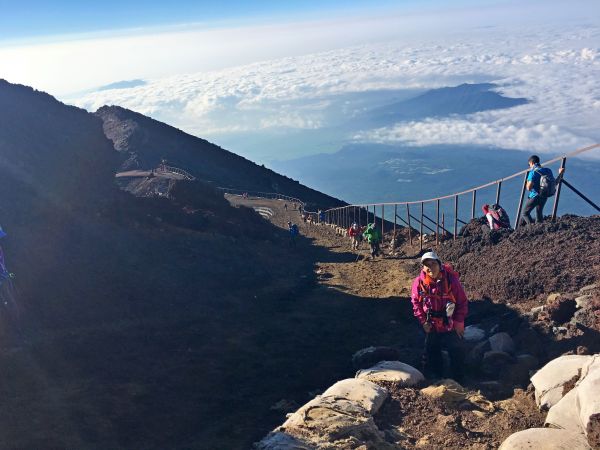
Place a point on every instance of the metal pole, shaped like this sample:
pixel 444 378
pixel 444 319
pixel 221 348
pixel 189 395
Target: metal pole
pixel 395 216
pixel 518 219
pixel 557 196
pixel 498 192
pixel 455 216
pixel 382 224
pixel 421 229
pixel 570 186
pixel 437 223
pixel 473 204
pixel 409 227
pixel 443 221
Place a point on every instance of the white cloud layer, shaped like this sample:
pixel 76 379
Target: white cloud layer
pixel 557 69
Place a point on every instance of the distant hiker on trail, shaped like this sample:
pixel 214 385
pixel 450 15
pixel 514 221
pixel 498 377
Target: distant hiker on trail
pixel 496 216
pixel 321 216
pixel 295 206
pixel 440 304
pixel 355 235
pixel 285 206
pixel 541 185
pixel 293 229
pixel 373 237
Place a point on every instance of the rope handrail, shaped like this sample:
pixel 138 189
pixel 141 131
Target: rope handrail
pixel 270 195
pixel 177 170
pixel 491 183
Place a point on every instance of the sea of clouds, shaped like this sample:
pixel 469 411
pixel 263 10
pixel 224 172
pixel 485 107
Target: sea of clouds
pixel 556 69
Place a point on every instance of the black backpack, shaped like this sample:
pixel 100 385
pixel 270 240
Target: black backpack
pixel 547 184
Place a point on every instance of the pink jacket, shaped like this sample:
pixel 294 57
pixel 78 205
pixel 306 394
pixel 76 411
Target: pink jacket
pixel 422 305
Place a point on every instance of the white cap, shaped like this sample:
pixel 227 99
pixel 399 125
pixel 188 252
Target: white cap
pixel 430 255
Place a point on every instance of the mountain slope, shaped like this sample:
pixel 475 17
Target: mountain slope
pixel 142 142
pixel 461 100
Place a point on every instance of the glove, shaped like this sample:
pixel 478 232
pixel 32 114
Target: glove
pixel 450 309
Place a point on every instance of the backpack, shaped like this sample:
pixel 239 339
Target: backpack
pixel 547 184
pixel 501 220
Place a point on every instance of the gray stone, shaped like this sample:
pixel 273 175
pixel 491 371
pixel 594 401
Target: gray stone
pixel 545 438
pixel 475 356
pixel 494 362
pixel 474 334
pixel 394 371
pixel 502 342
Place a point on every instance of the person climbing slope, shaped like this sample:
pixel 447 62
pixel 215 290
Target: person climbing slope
pixel 294 232
pixel 373 237
pixel 496 216
pixel 440 305
pixel 355 235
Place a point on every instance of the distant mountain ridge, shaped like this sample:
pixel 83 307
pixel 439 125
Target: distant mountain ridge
pixel 463 99
pixel 143 142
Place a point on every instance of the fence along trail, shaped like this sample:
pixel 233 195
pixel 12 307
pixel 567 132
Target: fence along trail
pixel 344 216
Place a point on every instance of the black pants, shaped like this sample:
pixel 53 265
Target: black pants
pixel 536 202
pixel 433 364
pixel 374 249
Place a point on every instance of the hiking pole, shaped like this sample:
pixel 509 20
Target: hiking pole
pixel 424 358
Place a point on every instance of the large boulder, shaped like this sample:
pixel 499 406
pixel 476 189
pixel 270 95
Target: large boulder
pixel 362 392
pixel 282 441
pixel 474 334
pixel 546 439
pixel 550 379
pixel 588 400
pixel 502 342
pixel 395 371
pixel 494 362
pixel 565 414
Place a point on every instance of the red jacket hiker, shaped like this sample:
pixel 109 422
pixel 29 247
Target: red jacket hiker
pixel 431 296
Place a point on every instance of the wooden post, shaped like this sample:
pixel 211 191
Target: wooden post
pixel 498 192
pixel 518 219
pixel 437 223
pixel 563 163
pixel 455 216
pixel 409 226
pixel 421 229
pixel 473 204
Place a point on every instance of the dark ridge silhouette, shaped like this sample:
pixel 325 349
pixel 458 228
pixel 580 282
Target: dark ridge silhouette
pixel 142 142
pixel 459 100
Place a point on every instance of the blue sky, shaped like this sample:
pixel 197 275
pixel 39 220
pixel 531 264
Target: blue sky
pixel 62 17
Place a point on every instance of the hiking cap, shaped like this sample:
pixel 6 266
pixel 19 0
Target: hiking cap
pixel 2 233
pixel 430 255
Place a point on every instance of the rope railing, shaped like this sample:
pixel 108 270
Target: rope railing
pixel 176 170
pixel 258 194
pixel 344 216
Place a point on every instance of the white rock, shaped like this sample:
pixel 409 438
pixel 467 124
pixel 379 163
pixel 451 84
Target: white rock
pixel 588 398
pixel 363 392
pixel 282 441
pixel 565 414
pixel 546 439
pixel 395 371
pixel 550 379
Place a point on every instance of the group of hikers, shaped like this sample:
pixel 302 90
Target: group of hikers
pixel 438 299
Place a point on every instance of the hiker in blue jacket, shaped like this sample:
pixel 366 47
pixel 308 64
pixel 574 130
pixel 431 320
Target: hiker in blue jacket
pixel 537 195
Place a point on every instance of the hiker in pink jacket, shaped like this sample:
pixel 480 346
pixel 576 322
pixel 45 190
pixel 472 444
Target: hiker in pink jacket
pixel 440 304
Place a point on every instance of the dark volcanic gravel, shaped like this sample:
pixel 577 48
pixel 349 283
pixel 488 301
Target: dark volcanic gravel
pixel 523 266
